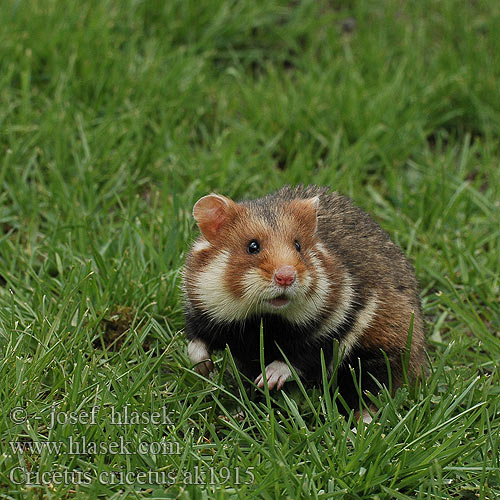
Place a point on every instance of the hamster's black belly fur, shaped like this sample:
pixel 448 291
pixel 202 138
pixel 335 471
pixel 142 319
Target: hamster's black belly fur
pixel 302 351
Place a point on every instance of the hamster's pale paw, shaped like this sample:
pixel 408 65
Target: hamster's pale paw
pixel 200 356
pixel 277 373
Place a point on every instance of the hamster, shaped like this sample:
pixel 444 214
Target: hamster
pixel 314 268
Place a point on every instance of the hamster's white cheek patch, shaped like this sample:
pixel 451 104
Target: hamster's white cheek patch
pixel 307 307
pixel 212 294
pixel 253 283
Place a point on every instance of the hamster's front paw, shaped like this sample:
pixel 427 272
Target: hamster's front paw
pixel 205 367
pixel 199 355
pixel 277 373
pixel 365 415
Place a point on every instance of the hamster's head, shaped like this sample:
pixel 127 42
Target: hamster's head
pixel 255 257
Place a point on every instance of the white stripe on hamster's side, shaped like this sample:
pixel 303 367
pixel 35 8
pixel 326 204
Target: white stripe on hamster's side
pixel 211 292
pixel 363 321
pixel 321 248
pixel 341 311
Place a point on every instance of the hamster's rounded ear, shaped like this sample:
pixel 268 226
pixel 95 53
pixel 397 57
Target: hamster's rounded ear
pixel 307 211
pixel 212 213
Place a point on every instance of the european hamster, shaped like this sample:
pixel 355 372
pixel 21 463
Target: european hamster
pixel 313 267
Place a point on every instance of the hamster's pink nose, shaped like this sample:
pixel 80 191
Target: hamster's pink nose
pixel 285 275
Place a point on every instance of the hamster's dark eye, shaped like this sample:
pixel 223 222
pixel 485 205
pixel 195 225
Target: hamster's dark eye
pixel 297 246
pixel 253 247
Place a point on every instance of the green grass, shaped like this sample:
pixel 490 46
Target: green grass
pixel 116 116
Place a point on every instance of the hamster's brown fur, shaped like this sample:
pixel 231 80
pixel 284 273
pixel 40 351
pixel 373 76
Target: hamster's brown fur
pixel 324 270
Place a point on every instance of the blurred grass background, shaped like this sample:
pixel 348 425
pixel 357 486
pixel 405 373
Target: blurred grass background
pixel 116 116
